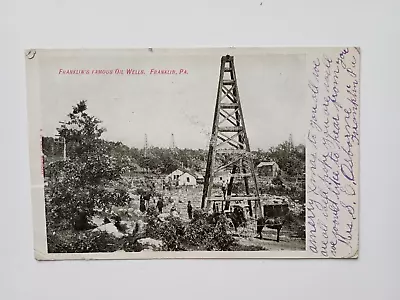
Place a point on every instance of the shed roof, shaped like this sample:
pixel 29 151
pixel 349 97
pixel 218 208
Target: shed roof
pixel 178 169
pixel 190 173
pixel 266 163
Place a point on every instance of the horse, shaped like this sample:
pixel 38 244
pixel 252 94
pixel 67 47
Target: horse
pixel 274 218
pixel 237 217
pixel 269 223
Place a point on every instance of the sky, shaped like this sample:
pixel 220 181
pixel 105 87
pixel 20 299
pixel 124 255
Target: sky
pixel 272 89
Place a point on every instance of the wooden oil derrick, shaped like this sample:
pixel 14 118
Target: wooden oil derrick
pixel 172 145
pixel 146 145
pixel 229 150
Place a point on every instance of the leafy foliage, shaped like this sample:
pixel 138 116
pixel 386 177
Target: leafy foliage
pixel 83 182
pixel 70 202
pixel 277 181
pixel 80 132
pixel 171 231
pixel 90 242
pixel 209 232
pixel 81 242
pixel 204 232
pixel 290 158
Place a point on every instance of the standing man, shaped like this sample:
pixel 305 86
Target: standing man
pixel 160 205
pixel 142 206
pixel 224 189
pixel 190 210
pixel 146 197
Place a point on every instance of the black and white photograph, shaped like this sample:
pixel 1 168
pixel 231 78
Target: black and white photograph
pixel 161 151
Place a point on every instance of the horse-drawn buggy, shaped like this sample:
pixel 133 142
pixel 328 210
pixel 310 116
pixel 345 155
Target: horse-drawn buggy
pixel 274 213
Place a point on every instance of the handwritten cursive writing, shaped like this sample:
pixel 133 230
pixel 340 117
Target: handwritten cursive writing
pixel 333 141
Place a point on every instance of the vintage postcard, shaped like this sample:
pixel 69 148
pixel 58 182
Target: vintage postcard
pixel 194 153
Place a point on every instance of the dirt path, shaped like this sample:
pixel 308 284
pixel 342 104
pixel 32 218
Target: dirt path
pixel 269 242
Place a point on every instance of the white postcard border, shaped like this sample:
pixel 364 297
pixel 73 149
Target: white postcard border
pixel 37 183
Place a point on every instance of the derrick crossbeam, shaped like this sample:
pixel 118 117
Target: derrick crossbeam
pixel 237 160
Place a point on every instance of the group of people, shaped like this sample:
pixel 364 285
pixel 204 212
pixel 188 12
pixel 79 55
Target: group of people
pixel 144 203
pixel 189 209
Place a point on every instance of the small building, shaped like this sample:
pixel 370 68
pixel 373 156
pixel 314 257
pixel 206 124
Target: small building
pixel 187 179
pixel 221 176
pixel 268 168
pixel 174 176
pixel 199 178
pixel 182 177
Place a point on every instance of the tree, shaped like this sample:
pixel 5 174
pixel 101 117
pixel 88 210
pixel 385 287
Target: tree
pixel 290 159
pixel 84 182
pixel 81 132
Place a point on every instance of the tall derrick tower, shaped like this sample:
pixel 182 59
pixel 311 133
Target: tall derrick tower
pixel 172 145
pixel 230 165
pixel 146 145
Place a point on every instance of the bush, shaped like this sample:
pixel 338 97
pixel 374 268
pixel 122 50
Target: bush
pixel 199 230
pixel 90 242
pixel 171 232
pixel 209 232
pixel 73 206
pixel 152 212
pixel 277 181
pixel 295 223
pixel 204 231
pixel 81 242
pixel 221 241
pixel 130 244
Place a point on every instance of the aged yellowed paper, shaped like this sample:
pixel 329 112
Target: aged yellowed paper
pixel 194 153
